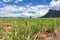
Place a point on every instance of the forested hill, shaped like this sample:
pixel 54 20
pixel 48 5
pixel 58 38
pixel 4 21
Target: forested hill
pixel 53 13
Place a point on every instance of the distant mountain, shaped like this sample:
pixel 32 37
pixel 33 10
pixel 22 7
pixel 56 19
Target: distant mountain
pixel 53 13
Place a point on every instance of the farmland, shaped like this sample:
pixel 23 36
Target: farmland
pixel 25 28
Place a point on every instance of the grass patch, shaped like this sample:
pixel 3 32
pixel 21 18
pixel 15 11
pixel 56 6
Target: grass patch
pixel 25 28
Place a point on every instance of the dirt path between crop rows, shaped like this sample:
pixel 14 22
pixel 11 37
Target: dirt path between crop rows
pixel 48 35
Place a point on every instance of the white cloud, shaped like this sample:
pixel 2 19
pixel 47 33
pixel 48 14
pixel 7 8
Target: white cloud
pixel 55 5
pixel 10 8
pixel 17 1
pixel 33 11
pixel 7 0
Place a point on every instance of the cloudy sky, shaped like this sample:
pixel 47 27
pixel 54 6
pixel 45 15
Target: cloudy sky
pixel 27 8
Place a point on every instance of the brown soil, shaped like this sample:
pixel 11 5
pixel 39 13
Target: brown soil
pixel 48 35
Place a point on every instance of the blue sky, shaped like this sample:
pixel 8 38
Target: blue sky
pixel 27 8
pixel 26 2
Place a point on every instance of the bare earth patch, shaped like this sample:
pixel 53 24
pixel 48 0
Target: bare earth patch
pixel 48 35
